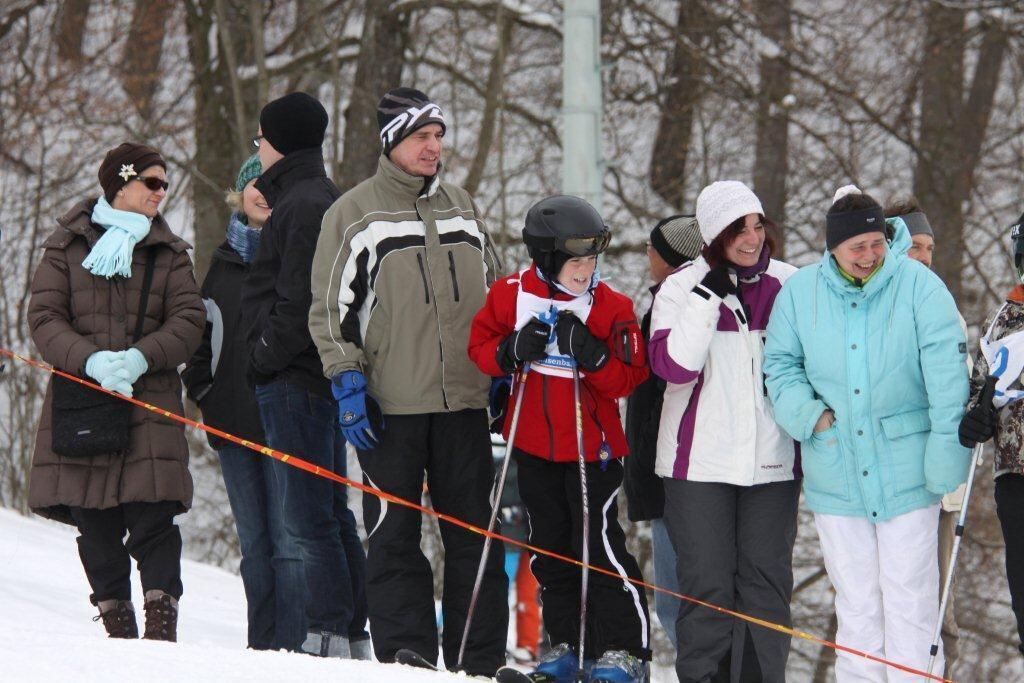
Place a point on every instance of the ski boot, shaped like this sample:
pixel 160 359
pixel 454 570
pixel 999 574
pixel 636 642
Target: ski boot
pixel 618 666
pixel 557 665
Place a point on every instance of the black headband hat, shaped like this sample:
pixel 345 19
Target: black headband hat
pixel 917 223
pixel 842 225
pixel 401 112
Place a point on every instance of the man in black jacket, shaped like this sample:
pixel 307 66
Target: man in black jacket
pixel 298 412
pixel 673 242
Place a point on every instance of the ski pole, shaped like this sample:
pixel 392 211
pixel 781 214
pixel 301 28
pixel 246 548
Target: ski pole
pixel 987 392
pixel 494 512
pixel 585 555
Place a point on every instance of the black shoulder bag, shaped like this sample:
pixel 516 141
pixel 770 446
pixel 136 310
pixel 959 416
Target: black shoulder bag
pixel 86 422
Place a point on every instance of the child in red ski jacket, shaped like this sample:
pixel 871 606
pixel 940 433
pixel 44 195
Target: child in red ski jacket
pixel 552 315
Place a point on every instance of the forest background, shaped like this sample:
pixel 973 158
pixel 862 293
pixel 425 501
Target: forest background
pixel 794 97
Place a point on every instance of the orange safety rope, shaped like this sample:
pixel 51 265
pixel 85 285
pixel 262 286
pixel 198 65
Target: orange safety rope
pixel 327 474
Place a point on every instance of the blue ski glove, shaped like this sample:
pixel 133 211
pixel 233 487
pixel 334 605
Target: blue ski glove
pixel 497 399
pixel 497 403
pixel 135 363
pixel 108 369
pixel 349 389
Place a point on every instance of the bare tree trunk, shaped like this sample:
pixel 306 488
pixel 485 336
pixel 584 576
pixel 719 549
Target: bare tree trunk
pixel 68 29
pixel 259 50
pixel 217 157
pixel 952 129
pixel 682 93
pixel 379 68
pixel 140 62
pixel 493 100
pixel 771 154
pixel 225 31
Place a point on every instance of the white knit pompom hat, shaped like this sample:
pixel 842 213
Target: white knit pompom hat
pixel 721 203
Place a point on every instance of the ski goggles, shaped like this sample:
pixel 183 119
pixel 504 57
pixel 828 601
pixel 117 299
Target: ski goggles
pixel 1017 239
pixel 584 245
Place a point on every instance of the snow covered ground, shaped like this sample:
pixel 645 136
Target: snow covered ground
pixel 47 632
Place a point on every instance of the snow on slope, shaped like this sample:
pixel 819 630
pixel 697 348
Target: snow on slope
pixel 47 632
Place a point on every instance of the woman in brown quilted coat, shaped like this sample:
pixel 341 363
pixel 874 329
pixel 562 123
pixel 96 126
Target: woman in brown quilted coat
pixel 84 312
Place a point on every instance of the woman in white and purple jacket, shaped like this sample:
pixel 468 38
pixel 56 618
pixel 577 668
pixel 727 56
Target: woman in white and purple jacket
pixel 731 474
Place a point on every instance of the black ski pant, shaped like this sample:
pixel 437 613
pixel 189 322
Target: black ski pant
pixel 1010 510
pixel 153 540
pixel 734 549
pixel 617 615
pixel 454 449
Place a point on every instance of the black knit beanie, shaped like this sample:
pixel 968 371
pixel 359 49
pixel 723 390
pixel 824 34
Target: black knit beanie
pixel 852 214
pixel 293 122
pixel 401 112
pixel 126 161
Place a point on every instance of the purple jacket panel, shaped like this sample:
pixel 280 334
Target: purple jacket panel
pixel 662 364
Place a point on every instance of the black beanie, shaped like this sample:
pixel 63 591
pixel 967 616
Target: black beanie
pixel 126 161
pixel 841 225
pixel 293 122
pixel 402 111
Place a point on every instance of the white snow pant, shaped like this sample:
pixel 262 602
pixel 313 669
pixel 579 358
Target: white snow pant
pixel 887 587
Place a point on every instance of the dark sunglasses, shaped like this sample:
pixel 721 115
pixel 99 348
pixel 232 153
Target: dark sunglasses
pixel 152 183
pixel 256 141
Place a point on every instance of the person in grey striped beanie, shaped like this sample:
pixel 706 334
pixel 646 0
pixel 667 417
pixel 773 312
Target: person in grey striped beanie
pixel 673 241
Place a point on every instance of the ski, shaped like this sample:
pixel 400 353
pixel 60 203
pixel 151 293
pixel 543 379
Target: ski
pixel 507 674
pixel 414 659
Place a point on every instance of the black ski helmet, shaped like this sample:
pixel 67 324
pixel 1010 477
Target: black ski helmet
pixel 1017 239
pixel 560 228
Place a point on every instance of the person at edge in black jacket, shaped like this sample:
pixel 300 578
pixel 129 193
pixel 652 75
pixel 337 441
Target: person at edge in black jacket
pixel 673 242
pixel 298 412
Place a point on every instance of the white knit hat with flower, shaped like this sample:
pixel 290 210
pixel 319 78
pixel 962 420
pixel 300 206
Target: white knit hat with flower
pixel 721 203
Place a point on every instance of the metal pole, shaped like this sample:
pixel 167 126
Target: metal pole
pixel 496 503
pixel 582 161
pixel 985 399
pixel 585 555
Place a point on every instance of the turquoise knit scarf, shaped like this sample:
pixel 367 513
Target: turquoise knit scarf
pixel 112 253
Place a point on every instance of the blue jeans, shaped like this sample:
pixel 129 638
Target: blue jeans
pixel 316 515
pixel 271 567
pixel 665 606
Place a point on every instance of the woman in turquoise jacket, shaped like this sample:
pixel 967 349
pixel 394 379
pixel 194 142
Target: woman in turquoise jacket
pixel 865 367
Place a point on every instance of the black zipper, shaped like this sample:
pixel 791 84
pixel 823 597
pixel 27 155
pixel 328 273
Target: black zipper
pixel 423 274
pixel 437 313
pixel 455 280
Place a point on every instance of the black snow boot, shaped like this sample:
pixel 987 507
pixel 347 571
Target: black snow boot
pixel 118 618
pixel 161 617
